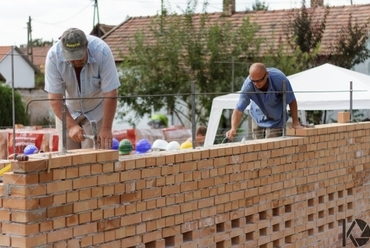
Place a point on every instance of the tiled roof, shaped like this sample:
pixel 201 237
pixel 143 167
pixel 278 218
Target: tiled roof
pixel 39 55
pixel 272 25
pixel 4 50
pixel 101 29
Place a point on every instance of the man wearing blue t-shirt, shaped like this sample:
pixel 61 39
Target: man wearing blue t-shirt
pixel 263 90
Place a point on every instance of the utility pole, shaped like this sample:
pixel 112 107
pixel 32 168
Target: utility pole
pixel 29 40
pixel 96 14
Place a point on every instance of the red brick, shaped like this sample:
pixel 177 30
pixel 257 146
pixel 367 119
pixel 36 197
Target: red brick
pixel 20 179
pixel 85 229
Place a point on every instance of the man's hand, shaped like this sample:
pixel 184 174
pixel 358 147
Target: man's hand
pixel 105 138
pixel 230 134
pixel 76 132
pixel 296 125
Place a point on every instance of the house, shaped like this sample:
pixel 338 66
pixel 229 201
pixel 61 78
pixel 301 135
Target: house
pixel 37 57
pixel 272 25
pixel 13 63
pixel 100 30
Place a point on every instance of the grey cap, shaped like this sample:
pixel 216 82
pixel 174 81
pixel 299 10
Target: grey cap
pixel 74 44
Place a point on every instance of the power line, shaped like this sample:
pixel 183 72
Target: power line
pixel 55 23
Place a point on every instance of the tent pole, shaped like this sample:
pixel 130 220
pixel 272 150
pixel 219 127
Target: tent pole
pixel 284 108
pixel 64 121
pixel 350 100
pixel 13 101
pixel 193 122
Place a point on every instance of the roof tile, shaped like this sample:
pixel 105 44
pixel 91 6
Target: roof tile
pixel 272 25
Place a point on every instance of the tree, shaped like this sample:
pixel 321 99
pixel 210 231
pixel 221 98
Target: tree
pixel 288 61
pixel 305 31
pixel 41 43
pixel 349 46
pixel 305 34
pixel 6 110
pixel 258 5
pixel 185 48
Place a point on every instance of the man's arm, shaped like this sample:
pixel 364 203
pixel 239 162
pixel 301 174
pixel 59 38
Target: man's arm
pixel 110 106
pixel 57 106
pixel 235 121
pixel 75 131
pixel 293 106
pixel 109 111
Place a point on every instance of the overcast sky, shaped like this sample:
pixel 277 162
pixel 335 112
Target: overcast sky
pixel 49 18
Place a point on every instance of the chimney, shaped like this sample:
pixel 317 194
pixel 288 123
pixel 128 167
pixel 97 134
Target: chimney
pixel 317 3
pixel 228 7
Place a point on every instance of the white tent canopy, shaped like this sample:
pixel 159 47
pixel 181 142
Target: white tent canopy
pixel 326 87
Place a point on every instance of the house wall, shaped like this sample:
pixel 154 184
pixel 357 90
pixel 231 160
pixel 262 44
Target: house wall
pixel 290 191
pixel 37 106
pixel 24 75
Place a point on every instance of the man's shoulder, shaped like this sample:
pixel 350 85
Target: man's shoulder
pixel 55 53
pixel 55 47
pixel 94 41
pixel 275 71
pixel 97 45
pixel 92 38
pixel 276 75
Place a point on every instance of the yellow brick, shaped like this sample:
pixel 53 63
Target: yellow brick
pixel 344 117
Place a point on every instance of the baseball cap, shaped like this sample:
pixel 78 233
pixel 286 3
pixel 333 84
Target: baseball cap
pixel 74 43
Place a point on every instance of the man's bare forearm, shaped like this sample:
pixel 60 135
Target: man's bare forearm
pixel 235 119
pixel 57 105
pixel 110 107
pixel 293 106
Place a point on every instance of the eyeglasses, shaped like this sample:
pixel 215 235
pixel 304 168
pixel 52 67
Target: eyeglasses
pixel 259 80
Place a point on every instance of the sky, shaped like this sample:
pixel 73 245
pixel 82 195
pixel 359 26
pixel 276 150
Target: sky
pixel 50 18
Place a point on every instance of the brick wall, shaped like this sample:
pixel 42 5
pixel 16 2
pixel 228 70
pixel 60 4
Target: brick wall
pixel 284 192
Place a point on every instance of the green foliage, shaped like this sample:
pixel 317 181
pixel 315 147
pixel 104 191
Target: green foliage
pixel 304 37
pixel 305 32
pixel 40 81
pixel 258 5
pixel 282 58
pixel 6 110
pixel 184 49
pixel 41 43
pixel 349 48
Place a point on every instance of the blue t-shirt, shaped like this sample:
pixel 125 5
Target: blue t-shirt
pixel 266 106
